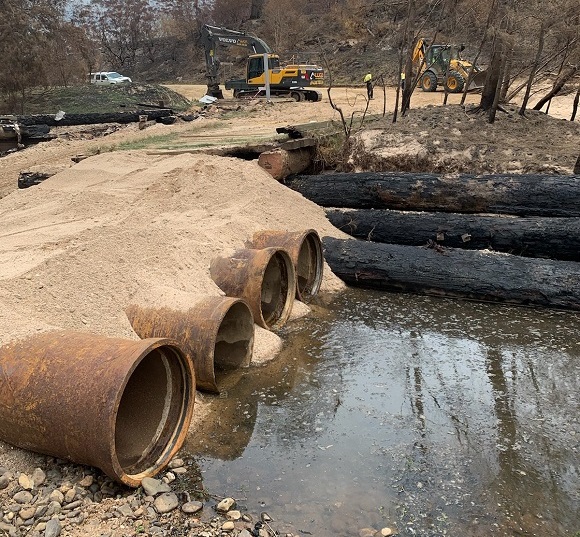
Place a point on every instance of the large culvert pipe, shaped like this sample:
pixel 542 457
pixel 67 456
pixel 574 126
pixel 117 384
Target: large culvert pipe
pixel 217 334
pixel 123 406
pixel 305 249
pixel 264 278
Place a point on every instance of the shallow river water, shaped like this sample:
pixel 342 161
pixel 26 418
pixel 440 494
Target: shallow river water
pixel 425 415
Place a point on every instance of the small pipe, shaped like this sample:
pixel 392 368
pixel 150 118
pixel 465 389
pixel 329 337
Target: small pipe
pixel 123 406
pixel 305 249
pixel 217 333
pixel 265 278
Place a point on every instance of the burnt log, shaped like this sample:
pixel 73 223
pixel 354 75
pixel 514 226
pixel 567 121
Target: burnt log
pixel 28 179
pixel 522 195
pixel 550 238
pixel 450 272
pixel 94 119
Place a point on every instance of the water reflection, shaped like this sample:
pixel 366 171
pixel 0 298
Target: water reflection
pixel 432 416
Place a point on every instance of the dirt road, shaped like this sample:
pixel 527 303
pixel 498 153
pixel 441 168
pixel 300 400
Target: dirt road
pixel 229 122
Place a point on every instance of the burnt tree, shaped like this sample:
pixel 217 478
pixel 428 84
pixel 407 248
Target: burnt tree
pixel 475 275
pixel 522 195
pixel 550 238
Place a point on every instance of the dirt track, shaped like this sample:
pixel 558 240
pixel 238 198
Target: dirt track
pixel 232 122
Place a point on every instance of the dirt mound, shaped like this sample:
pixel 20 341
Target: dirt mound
pixel 90 98
pixel 455 138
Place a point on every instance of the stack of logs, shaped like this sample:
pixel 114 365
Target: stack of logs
pixel 502 238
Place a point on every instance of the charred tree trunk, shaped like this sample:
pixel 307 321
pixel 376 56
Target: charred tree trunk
pixel 485 276
pixel 522 195
pixel 94 119
pixel 493 76
pixel 558 85
pixel 533 70
pixel 575 104
pixel 550 238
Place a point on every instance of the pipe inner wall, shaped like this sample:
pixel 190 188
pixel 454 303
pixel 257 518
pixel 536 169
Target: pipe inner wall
pixel 149 411
pixel 234 340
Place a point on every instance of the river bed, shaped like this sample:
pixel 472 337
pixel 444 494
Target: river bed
pixel 428 416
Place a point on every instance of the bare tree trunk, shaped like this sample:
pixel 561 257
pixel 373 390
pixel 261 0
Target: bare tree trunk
pixel 575 105
pixel 408 89
pixel 481 44
pixel 533 70
pixel 493 76
pixel 542 66
pixel 495 103
pixel 506 76
pixel 558 85
pixel 256 9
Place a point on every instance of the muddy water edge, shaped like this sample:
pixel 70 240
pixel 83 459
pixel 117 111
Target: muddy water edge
pixel 425 415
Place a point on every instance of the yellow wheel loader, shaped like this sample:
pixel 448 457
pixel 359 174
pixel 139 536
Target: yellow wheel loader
pixel 442 65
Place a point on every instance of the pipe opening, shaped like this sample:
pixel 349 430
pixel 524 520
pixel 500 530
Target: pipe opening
pixel 309 267
pixel 275 287
pixel 151 411
pixel 234 339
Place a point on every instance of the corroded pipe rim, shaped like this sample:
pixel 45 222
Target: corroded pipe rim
pixel 243 275
pixel 294 242
pixel 146 347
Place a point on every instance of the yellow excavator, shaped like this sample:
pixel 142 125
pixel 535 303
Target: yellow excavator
pixel 443 65
pixel 297 81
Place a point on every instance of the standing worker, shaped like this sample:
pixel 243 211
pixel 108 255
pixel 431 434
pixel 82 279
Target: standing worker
pixel 368 79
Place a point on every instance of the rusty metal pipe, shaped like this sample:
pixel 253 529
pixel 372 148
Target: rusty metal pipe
pixel 217 333
pixel 265 278
pixel 123 406
pixel 305 249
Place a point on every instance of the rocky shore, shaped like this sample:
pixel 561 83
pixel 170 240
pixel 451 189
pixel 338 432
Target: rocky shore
pixel 67 499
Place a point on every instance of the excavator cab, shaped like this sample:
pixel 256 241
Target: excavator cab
pixel 256 66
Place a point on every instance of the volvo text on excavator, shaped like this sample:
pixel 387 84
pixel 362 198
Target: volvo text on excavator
pixel 443 65
pixel 298 81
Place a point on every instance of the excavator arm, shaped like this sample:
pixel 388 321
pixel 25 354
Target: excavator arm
pixel 212 36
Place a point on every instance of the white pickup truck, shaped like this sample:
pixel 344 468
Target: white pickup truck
pixel 108 77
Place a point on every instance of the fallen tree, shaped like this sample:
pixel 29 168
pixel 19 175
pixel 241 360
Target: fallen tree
pixel 485 276
pixel 92 119
pixel 522 195
pixel 550 238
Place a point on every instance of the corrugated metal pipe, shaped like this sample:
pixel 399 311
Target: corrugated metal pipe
pixel 305 249
pixel 217 333
pixel 265 278
pixel 123 406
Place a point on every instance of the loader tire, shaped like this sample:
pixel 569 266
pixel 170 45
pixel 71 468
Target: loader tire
pixel 455 82
pixel 429 81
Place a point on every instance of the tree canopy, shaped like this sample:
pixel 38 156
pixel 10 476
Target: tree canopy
pixel 58 42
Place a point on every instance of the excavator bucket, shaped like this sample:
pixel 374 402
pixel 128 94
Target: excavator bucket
pixel 477 81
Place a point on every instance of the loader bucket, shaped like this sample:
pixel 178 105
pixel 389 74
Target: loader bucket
pixel 477 81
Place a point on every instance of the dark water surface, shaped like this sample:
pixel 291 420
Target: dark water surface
pixel 431 416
